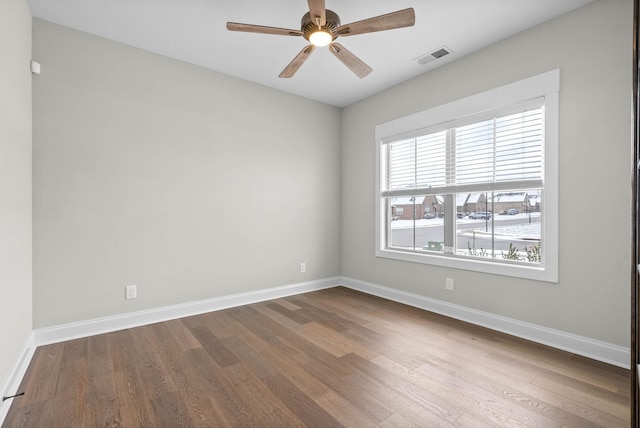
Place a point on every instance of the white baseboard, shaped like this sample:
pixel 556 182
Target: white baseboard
pixel 16 374
pixel 601 351
pixel 60 333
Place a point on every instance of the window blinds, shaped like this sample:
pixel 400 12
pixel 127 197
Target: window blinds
pixel 500 150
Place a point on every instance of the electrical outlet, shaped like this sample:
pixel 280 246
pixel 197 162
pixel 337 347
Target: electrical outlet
pixel 130 292
pixel 303 267
pixel 448 284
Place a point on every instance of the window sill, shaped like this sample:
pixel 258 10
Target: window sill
pixel 538 273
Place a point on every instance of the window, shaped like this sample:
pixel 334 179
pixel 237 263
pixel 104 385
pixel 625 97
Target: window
pixel 473 184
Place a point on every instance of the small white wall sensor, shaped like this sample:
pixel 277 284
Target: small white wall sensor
pixel 35 67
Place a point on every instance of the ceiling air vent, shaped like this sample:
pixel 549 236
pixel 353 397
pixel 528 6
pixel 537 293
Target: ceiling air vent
pixel 432 56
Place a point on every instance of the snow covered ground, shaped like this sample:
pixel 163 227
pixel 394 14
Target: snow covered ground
pixel 523 230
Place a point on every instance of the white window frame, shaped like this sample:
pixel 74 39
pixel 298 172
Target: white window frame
pixel 545 85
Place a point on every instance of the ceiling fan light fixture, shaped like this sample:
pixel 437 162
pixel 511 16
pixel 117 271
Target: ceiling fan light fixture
pixel 321 27
pixel 320 37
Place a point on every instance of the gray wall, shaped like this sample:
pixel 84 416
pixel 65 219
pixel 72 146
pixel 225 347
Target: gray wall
pixel 592 48
pixel 15 182
pixel 188 183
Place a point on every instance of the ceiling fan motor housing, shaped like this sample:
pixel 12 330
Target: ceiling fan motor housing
pixel 308 26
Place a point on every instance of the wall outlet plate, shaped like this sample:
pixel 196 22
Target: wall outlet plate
pixel 130 292
pixel 448 284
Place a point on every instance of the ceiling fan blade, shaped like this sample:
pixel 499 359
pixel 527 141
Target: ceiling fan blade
pixel 318 11
pixel 250 28
pixel 294 65
pixel 398 19
pixel 354 63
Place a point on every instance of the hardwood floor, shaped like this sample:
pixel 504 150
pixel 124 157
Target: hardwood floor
pixel 328 358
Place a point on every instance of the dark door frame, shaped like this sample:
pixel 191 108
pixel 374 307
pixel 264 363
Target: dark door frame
pixel 635 275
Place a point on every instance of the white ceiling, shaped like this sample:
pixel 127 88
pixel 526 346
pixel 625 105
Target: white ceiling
pixel 194 31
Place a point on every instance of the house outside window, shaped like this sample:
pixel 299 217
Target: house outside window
pixel 477 180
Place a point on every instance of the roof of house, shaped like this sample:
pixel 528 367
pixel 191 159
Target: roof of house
pixel 473 198
pixel 510 197
pixel 407 200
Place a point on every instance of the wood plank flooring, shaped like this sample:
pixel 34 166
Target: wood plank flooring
pixel 329 358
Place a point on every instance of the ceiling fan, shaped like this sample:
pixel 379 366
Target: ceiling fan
pixel 321 27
